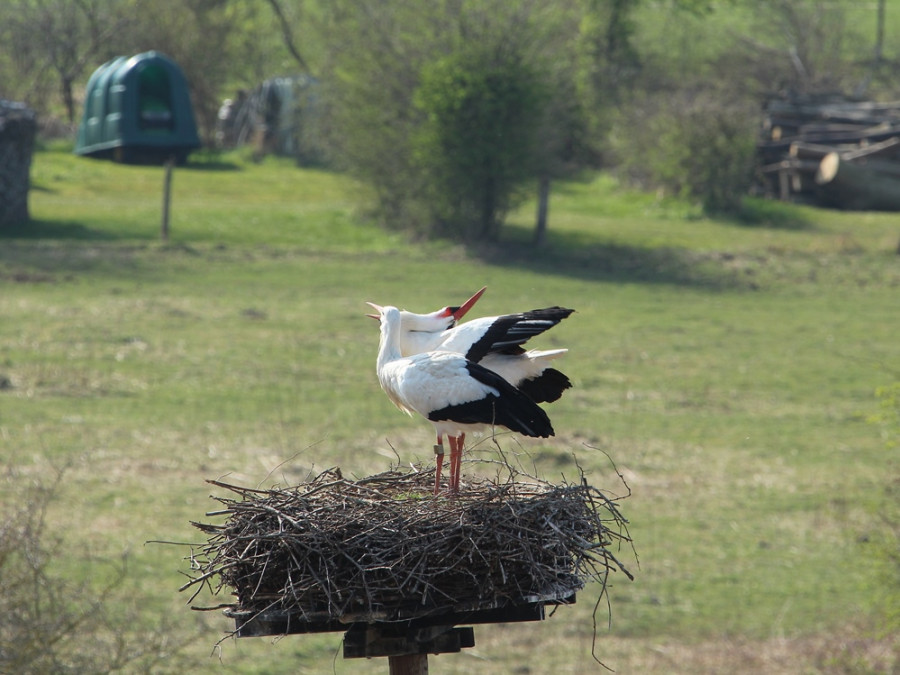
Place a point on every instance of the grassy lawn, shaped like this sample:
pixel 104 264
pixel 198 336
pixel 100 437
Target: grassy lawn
pixel 727 368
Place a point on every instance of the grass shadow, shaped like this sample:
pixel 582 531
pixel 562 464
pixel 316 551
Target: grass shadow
pixel 571 256
pixel 211 163
pixel 54 250
pixel 57 229
pixel 769 214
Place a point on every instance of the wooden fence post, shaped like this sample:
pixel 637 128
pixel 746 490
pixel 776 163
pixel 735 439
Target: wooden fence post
pixel 167 190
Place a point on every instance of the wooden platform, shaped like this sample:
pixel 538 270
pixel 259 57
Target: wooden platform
pixel 435 632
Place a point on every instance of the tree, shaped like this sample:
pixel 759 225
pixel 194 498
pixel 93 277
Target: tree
pixel 606 62
pixel 798 47
pixel 63 37
pixel 439 107
pixel 482 110
pixel 287 35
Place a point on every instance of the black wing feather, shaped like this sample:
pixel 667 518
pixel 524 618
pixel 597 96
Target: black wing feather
pixel 546 387
pixel 511 409
pixel 509 332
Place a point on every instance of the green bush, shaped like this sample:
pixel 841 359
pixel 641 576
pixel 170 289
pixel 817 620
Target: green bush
pixel 482 111
pixel 695 147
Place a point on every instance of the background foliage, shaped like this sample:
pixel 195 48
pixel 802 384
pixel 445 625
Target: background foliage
pixel 667 91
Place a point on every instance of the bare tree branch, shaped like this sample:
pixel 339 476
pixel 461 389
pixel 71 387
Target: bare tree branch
pixel 288 35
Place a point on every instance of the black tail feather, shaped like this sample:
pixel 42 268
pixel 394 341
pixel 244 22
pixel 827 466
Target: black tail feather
pixel 546 387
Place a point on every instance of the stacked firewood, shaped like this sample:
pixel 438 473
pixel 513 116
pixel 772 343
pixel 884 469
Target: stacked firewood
pixel 833 152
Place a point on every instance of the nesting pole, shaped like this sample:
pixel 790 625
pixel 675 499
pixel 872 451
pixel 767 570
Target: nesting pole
pixel 401 572
pixel 410 664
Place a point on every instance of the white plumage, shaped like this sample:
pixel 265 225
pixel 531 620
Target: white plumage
pixel 453 393
pixel 495 342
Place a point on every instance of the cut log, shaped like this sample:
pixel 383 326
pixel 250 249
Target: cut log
pixel 880 165
pixel 885 148
pixel 869 135
pixel 804 150
pixel 856 187
pixel 854 145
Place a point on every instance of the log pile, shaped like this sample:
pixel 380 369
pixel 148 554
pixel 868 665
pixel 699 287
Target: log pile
pixel 834 152
pixel 384 548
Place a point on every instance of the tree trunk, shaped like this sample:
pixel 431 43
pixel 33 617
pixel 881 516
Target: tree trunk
pixel 540 229
pixel 17 131
pixel 68 98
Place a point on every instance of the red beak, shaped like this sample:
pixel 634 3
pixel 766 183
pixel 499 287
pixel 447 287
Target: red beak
pixel 459 312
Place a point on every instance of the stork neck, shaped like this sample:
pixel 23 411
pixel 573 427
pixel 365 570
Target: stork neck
pixel 389 345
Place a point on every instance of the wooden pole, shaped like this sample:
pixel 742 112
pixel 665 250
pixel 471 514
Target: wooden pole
pixel 167 191
pixel 409 664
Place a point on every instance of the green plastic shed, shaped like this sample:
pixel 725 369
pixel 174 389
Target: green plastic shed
pixel 138 110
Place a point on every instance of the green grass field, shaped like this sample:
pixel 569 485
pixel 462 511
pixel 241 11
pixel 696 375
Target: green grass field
pixel 727 368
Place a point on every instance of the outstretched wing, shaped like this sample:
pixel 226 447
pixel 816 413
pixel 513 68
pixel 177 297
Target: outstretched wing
pixel 507 334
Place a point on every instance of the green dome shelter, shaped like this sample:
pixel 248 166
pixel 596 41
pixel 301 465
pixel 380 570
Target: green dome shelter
pixel 138 110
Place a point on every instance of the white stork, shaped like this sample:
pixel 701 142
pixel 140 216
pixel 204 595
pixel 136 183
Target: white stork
pixel 453 393
pixel 494 342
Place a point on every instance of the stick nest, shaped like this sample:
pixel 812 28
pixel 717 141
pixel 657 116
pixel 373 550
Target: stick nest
pixel 384 548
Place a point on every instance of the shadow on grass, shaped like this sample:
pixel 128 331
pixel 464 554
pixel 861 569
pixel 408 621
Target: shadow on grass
pixel 581 256
pixel 57 229
pixel 608 262
pixel 211 163
pixel 769 214
pixel 50 250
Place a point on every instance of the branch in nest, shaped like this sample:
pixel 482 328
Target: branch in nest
pixel 384 547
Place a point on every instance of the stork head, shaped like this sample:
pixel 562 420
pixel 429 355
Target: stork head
pixel 458 312
pixel 434 322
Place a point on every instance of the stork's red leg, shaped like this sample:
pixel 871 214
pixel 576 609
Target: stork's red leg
pixel 457 469
pixel 439 462
pixel 454 463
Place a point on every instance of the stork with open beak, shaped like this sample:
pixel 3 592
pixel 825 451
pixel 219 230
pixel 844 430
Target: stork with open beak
pixel 453 393
pixel 494 342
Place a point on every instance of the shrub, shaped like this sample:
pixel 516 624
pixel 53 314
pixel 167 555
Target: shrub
pixel 693 146
pixel 482 111
pixel 50 624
